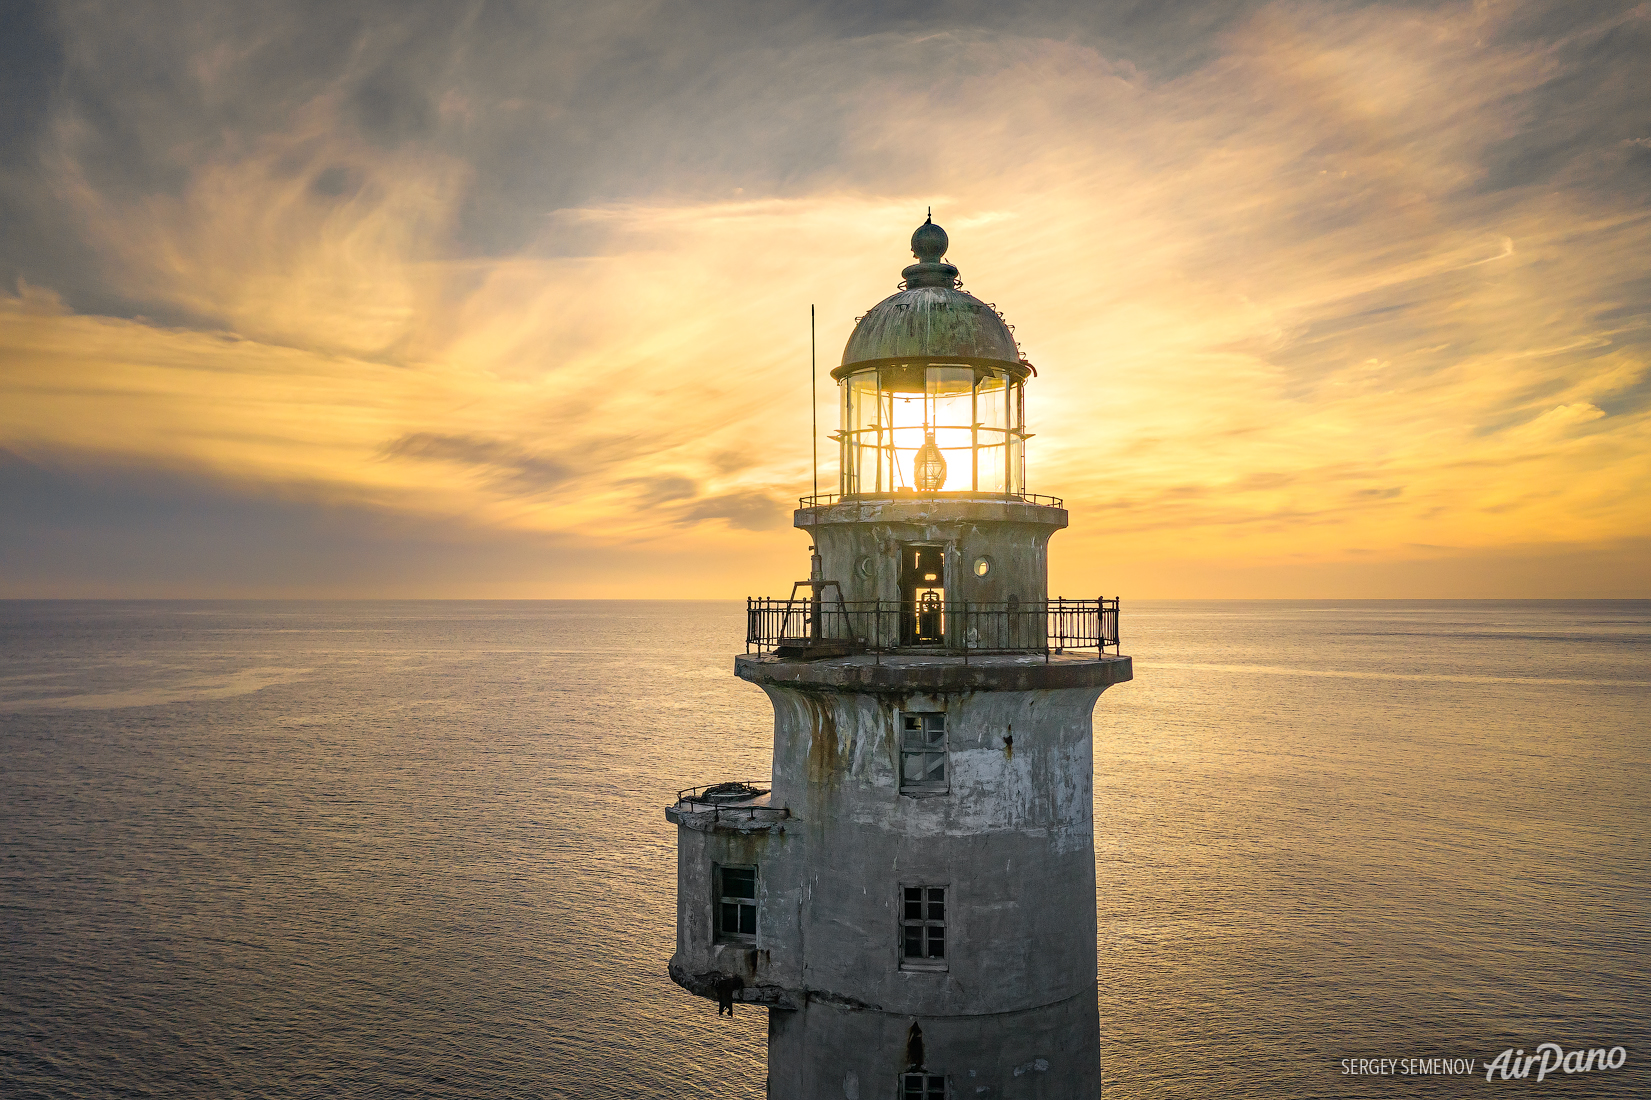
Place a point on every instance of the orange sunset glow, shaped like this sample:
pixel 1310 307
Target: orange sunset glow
pixel 1325 300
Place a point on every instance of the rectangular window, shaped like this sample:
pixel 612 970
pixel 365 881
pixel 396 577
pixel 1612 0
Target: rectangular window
pixel 737 903
pixel 923 752
pixel 923 927
pixel 923 1086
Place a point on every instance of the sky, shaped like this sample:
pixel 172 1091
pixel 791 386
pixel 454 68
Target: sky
pixel 490 300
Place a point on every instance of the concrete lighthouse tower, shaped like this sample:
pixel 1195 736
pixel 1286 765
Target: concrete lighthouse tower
pixel 911 895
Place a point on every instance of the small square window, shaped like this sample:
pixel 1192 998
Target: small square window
pixel 923 927
pixel 923 752
pixel 736 903
pixel 922 1086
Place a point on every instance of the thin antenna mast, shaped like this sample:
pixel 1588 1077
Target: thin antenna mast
pixel 816 567
pixel 814 403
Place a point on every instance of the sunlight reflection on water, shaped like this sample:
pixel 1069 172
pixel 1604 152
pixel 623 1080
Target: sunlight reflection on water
pixel 419 850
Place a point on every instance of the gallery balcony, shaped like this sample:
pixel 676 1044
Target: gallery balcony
pixel 821 625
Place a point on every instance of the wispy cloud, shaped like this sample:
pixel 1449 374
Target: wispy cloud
pixel 501 463
pixel 1304 282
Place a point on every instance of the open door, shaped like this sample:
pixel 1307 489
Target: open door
pixel 922 595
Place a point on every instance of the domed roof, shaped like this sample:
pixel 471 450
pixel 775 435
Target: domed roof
pixel 931 318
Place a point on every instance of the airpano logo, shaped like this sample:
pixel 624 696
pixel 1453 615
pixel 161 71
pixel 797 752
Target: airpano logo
pixel 1513 1065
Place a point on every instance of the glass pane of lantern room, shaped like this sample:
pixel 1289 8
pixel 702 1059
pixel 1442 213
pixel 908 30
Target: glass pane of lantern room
pixel 951 393
pixel 878 402
pixel 992 410
pixel 938 401
pixel 1017 439
pixel 863 466
pixel 908 409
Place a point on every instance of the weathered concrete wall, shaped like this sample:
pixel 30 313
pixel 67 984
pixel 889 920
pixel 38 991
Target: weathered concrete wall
pixel 859 544
pixel 828 1051
pixel 1012 838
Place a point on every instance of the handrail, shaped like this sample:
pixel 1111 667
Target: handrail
pixel 699 799
pixel 795 627
pixel 823 500
pixel 738 789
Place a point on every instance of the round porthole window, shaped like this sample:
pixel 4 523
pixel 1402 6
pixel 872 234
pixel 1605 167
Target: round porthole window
pixel 983 566
pixel 865 567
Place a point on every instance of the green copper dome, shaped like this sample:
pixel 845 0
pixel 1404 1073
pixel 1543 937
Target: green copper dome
pixel 930 319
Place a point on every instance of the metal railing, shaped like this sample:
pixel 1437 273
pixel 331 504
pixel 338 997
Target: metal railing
pixel 794 627
pixel 724 800
pixel 821 500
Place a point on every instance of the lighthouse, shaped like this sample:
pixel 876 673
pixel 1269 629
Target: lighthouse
pixel 910 894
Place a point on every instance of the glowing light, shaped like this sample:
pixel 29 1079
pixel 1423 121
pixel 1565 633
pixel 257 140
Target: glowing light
pixel 929 467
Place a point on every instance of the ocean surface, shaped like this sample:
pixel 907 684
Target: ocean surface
pixel 418 849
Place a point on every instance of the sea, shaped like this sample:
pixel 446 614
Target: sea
pixel 418 849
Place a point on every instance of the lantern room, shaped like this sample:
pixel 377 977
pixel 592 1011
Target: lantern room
pixel 932 388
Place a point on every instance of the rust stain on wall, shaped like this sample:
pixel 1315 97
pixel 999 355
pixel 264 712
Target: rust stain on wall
pixel 824 759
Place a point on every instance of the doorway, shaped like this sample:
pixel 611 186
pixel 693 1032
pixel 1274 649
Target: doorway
pixel 922 595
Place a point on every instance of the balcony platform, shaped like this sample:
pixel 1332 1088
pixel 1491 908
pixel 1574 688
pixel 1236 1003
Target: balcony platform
pixel 908 671
pixel 717 809
pixel 759 995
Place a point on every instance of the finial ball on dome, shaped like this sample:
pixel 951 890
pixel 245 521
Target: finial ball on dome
pixel 929 243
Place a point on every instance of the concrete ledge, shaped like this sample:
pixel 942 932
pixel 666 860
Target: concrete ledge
pixel 903 674
pixel 759 994
pixel 924 510
pixel 732 821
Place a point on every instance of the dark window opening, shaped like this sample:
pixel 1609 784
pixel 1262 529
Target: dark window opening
pixel 737 902
pixel 923 752
pixel 922 1086
pixel 923 926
